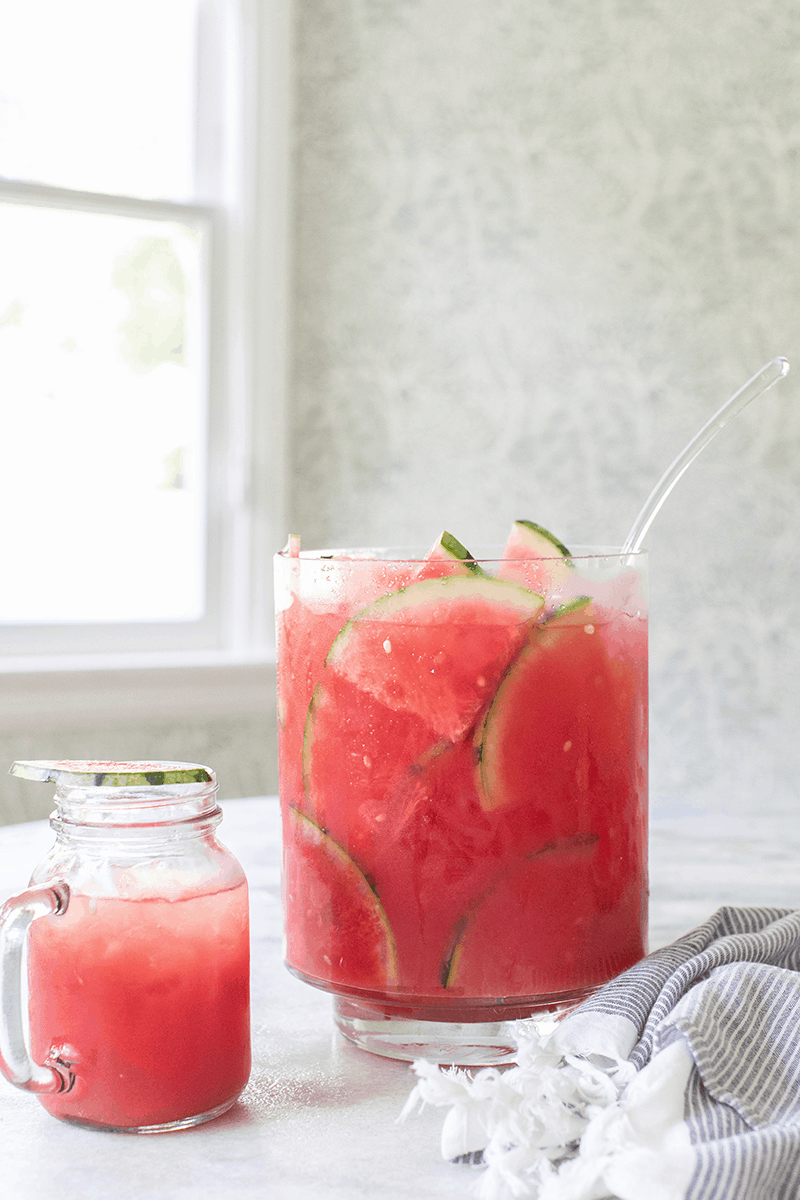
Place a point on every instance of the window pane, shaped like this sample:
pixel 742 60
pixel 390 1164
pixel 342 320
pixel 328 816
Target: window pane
pixel 98 95
pixel 102 411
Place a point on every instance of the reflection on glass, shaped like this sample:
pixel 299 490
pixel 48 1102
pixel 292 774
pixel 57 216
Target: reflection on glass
pixel 98 95
pixel 102 411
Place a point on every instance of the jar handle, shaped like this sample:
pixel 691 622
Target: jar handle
pixel 16 1063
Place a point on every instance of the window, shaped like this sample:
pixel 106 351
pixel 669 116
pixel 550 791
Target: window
pixel 142 210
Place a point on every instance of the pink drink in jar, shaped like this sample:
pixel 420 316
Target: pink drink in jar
pixel 138 952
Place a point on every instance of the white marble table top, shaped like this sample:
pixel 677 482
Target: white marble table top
pixel 318 1118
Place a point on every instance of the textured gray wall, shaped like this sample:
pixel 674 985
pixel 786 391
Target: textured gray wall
pixel 240 749
pixel 222 716
pixel 537 244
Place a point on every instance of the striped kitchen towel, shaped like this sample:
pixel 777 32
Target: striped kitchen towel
pixel 679 1080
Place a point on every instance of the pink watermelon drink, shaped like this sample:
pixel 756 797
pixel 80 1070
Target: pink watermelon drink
pixel 152 998
pixel 463 756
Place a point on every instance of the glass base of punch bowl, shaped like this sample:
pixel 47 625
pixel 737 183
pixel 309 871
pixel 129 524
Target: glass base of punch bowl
pixel 469 1035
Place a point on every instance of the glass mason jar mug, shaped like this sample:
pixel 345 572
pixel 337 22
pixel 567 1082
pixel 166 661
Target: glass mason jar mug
pixel 137 936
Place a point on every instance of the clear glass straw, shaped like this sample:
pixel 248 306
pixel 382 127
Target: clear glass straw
pixel 761 382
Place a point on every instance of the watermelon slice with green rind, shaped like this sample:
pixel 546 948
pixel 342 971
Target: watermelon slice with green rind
pixel 437 849
pixel 447 556
pixel 336 929
pixel 438 647
pixel 539 930
pixel 534 557
pixel 529 540
pixel 558 732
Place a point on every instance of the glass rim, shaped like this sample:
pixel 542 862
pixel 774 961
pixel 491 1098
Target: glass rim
pixel 485 554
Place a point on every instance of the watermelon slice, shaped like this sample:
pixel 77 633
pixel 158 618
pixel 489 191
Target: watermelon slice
pixel 535 558
pixel 448 557
pixel 437 850
pixel 437 648
pixel 538 930
pixel 559 736
pixel 528 540
pixel 336 930
pixel 355 752
pixel 304 638
pixel 405 807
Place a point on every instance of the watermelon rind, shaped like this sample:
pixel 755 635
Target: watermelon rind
pixel 566 609
pixel 423 598
pixel 488 734
pixel 308 739
pixel 447 547
pixel 489 791
pixel 537 539
pixel 354 890
pixel 579 847
pixel 447 687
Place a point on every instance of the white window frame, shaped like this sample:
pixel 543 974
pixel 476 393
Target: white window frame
pixel 244 179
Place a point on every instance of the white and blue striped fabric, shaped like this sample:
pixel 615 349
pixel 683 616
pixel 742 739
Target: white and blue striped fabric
pixel 679 1080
